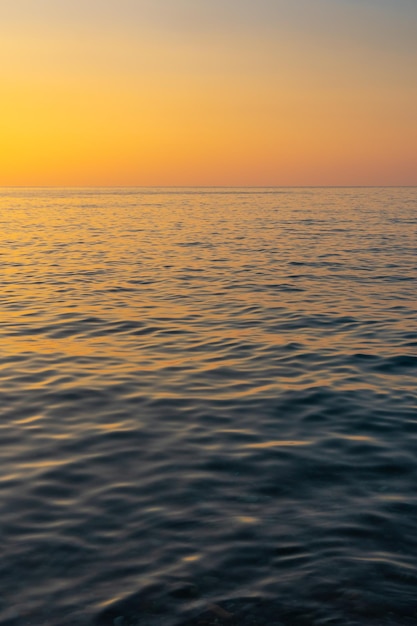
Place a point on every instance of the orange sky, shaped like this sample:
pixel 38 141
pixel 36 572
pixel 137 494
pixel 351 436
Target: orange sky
pixel 191 92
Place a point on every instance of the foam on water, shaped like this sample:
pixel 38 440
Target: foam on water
pixel 208 406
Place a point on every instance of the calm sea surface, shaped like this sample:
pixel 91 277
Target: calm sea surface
pixel 208 403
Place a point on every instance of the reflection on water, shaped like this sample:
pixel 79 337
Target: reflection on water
pixel 208 406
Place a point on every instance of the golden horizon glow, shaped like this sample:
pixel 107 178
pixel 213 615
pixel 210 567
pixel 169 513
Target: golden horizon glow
pixel 134 94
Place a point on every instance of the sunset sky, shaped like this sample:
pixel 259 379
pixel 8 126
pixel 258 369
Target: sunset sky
pixel 208 92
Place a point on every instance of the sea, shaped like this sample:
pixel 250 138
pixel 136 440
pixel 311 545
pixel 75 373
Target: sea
pixel 208 406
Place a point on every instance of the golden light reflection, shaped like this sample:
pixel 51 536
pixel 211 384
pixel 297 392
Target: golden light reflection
pixel 245 519
pixel 279 444
pixel 192 558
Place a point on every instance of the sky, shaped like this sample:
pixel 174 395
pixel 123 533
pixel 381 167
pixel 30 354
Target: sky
pixel 208 92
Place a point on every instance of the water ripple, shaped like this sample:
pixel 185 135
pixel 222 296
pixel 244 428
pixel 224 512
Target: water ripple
pixel 208 407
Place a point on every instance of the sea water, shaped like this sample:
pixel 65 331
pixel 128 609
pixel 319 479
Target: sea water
pixel 208 397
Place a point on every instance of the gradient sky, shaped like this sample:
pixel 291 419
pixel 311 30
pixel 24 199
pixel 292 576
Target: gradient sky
pixel 208 92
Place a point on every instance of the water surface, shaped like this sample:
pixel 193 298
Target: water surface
pixel 208 397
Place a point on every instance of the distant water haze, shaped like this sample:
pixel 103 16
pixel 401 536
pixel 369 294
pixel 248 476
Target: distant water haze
pixel 208 406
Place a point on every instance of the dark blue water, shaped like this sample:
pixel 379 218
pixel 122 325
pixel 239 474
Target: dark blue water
pixel 208 407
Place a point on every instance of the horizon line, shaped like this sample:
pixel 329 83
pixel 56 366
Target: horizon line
pixel 207 186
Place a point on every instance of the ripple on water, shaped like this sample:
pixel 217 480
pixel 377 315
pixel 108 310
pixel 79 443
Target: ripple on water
pixel 208 407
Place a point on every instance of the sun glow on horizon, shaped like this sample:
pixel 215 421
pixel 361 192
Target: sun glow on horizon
pixel 131 96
